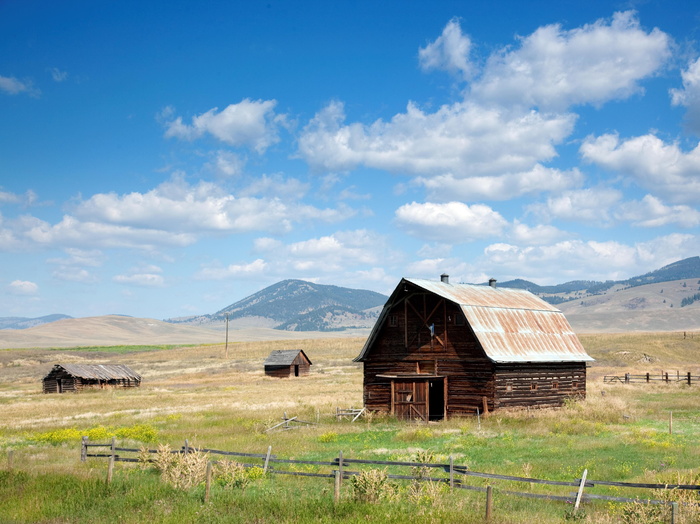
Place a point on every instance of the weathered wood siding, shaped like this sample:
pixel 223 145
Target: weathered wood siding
pixel 299 367
pixel 69 383
pixel 406 345
pixel 539 385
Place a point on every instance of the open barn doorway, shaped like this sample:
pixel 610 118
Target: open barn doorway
pixel 436 399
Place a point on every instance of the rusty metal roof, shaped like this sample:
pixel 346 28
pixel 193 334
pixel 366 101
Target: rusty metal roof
pixel 512 325
pixel 100 371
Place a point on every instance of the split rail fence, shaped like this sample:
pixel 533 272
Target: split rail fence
pixel 628 378
pixel 454 475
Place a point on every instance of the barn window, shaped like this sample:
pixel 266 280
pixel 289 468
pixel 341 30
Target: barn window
pixel 533 386
pixel 574 385
pixel 555 385
pixel 393 321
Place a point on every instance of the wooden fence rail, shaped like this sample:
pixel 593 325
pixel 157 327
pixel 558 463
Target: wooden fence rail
pixel 340 463
pixel 666 377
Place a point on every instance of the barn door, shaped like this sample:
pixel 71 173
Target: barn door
pixel 410 399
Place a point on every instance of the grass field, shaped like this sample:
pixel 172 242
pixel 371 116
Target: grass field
pixel 618 433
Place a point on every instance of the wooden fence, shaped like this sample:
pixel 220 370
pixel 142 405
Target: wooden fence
pixel 452 474
pixel 664 376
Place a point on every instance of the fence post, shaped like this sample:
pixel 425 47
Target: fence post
pixel 627 378
pixel 580 489
pixel 667 377
pixel 452 473
pixel 647 377
pixel 674 512
pixel 489 502
pixel 267 458
pixel 336 487
pixel 187 447
pixel 83 449
pixel 670 422
pixel 689 380
pixel 207 485
pixel 340 465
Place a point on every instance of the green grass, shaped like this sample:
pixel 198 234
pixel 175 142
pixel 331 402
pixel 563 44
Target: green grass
pixel 619 433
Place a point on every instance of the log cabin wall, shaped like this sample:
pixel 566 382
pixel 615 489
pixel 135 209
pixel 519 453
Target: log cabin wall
pixel 539 384
pixel 422 335
pixel 406 345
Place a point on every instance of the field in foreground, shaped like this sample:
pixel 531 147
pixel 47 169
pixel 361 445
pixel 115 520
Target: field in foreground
pixel 619 433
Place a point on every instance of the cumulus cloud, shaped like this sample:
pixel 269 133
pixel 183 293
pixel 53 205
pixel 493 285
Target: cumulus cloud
pixel 256 268
pixel 592 206
pixel 147 277
pixel 463 139
pixel 250 123
pixel 570 259
pixel 58 75
pixel 452 222
pixel 535 235
pixel 500 187
pixel 72 267
pixel 652 212
pixel 13 86
pixel 689 96
pixel 554 68
pixel 659 167
pixel 23 287
pixel 449 52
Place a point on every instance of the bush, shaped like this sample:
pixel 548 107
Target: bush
pixel 371 486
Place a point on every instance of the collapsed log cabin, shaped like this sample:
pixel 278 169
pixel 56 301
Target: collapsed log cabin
pixel 440 350
pixel 283 363
pixel 75 377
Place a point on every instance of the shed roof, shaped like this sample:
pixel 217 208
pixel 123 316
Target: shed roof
pixel 99 371
pixel 284 357
pixel 512 325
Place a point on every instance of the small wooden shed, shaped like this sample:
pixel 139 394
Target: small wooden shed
pixel 283 363
pixel 75 377
pixel 439 349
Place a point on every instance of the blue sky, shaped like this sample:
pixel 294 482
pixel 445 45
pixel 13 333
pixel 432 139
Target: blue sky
pixel 164 159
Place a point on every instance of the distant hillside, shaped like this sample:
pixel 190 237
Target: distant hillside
pixel 297 305
pixel 578 289
pixel 24 323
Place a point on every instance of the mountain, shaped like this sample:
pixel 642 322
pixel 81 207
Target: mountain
pixel 688 268
pixel 298 305
pixel 24 323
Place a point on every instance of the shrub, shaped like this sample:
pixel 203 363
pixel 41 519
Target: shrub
pixel 231 474
pixel 371 486
pixel 328 436
pixel 182 471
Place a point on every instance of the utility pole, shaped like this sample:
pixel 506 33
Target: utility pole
pixel 226 336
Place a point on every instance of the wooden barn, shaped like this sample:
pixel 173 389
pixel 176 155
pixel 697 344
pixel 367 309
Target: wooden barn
pixel 283 363
pixel 441 350
pixel 74 377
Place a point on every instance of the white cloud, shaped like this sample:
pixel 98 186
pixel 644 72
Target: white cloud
pixel 535 235
pixel 463 139
pixel 140 279
pixel 501 187
pixel 250 123
pixel 652 212
pixel 689 96
pixel 226 164
pixel 452 222
pixel 74 274
pixel 450 51
pixel 58 75
pixel 256 268
pixel 662 168
pixel 13 86
pixel 592 206
pixel 577 259
pixel 23 287
pixel 553 68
